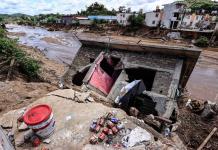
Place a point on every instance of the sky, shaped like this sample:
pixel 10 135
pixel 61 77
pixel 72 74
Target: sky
pixel 34 7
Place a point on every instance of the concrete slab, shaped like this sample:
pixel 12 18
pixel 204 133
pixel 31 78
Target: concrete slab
pixel 73 120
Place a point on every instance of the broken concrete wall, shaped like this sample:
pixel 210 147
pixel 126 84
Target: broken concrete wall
pixel 163 65
pixel 162 82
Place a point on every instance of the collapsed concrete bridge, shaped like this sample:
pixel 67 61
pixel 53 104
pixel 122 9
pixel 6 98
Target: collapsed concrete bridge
pixel 164 70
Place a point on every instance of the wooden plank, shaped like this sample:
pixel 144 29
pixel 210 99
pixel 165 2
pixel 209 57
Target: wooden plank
pixel 207 139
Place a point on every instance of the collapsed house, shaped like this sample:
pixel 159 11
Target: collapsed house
pixel 145 77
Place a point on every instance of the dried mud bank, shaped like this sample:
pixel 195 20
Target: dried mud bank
pixel 20 91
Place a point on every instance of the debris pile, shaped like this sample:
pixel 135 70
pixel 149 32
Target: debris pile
pixel 110 130
pixel 206 109
pixel 105 126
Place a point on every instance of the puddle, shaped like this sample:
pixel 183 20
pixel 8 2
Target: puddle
pixel 59 46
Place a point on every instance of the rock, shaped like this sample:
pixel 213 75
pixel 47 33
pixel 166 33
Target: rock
pixel 66 93
pixel 47 141
pixel 133 111
pixel 136 136
pixel 23 127
pixel 90 99
pixel 139 147
pixel 6 120
pixel 175 126
pixel 19 140
pixel 208 112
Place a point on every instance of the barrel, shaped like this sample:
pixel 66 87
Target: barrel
pixel 41 120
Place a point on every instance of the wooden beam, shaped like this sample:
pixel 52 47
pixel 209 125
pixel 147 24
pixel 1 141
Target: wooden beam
pixel 207 139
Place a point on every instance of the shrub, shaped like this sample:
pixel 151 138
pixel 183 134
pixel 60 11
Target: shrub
pixel 202 41
pixel 10 50
pixel 2 33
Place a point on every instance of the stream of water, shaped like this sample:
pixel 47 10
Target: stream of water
pixel 56 45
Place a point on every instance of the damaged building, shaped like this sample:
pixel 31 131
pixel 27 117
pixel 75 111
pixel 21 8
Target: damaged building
pixel 145 77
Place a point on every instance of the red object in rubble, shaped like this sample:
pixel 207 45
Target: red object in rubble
pixel 97 128
pixel 35 141
pixel 110 124
pixel 93 139
pixel 101 121
pixel 110 132
pixel 115 130
pixel 101 137
pixel 106 130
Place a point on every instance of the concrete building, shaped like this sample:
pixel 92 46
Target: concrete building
pixel 122 18
pixel 153 18
pixel 172 14
pixel 198 21
pixel 73 19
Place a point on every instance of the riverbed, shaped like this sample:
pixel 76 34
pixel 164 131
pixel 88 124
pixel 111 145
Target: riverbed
pixel 57 45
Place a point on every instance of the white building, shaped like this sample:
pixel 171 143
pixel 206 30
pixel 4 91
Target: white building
pixel 122 18
pixel 196 21
pixel 172 14
pixel 152 19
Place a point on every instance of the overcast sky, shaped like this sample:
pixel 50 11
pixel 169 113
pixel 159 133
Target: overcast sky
pixel 34 7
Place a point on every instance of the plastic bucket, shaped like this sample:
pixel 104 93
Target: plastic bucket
pixel 40 119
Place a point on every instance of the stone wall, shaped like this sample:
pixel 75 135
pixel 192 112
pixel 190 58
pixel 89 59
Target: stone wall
pixel 162 79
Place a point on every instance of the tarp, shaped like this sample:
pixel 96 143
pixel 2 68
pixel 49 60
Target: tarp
pixel 129 91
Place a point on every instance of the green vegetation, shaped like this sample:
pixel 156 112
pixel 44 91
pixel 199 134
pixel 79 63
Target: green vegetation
pixel 136 21
pixel 9 50
pixel 202 42
pixel 97 9
pixel 207 5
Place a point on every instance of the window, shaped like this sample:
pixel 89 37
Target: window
pixel 156 15
pixel 153 22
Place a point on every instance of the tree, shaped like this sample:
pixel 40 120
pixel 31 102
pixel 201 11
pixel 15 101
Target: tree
pixel 1 19
pixel 128 10
pixel 122 9
pixel 136 20
pixel 96 9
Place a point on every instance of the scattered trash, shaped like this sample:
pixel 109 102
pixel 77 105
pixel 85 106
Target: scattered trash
pixel 93 140
pixel 23 127
pixel 167 132
pixel 47 141
pixel 174 35
pixel 35 141
pixel 136 136
pixel 195 106
pixel 105 128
